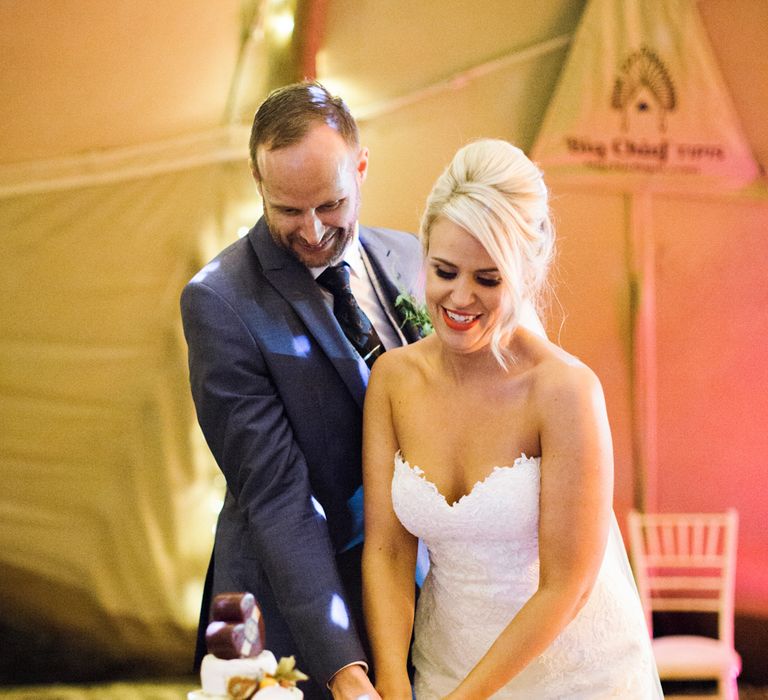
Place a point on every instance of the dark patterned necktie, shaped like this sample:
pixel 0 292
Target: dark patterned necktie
pixel 355 324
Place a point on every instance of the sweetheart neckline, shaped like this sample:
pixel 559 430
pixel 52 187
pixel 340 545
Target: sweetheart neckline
pixel 419 472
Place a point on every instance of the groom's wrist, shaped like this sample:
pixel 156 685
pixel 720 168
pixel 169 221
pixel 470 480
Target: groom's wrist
pixel 350 671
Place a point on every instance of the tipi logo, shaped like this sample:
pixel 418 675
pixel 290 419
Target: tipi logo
pixel 643 86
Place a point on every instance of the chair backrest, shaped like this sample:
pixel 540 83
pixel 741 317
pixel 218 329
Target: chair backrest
pixel 686 562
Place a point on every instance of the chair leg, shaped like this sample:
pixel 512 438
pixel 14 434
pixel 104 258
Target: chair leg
pixel 727 688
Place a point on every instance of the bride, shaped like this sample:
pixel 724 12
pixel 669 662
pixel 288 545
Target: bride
pixel 492 445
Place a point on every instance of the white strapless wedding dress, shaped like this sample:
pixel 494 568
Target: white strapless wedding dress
pixel 484 566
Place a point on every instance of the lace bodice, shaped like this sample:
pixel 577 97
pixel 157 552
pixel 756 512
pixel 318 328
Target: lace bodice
pixel 484 566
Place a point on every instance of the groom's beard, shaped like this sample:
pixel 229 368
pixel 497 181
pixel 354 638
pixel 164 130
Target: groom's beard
pixel 331 250
pixel 335 238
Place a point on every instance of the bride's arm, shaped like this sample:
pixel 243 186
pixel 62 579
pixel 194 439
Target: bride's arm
pixel 389 552
pixel 575 507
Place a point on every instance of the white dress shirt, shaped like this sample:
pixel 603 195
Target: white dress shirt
pixel 364 293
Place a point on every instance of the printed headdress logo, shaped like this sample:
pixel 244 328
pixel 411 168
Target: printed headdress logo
pixel 641 104
pixel 644 84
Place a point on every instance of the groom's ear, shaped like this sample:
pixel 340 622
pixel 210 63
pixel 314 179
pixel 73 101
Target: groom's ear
pixel 362 163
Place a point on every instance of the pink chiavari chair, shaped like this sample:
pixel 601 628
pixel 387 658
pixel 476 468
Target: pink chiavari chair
pixel 686 563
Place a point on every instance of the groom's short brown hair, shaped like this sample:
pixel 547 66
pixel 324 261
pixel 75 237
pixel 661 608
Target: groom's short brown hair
pixel 287 114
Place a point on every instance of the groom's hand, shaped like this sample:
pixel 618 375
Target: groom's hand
pixel 352 683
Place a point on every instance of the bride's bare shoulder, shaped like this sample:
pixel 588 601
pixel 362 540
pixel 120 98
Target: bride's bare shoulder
pixel 403 363
pixel 560 374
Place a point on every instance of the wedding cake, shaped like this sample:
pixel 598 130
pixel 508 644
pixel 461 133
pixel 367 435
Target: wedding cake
pixel 237 665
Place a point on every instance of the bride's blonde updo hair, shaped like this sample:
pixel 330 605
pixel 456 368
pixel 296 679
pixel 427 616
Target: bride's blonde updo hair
pixel 493 191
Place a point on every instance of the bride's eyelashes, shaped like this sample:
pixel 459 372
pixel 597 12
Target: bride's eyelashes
pixel 444 274
pixel 480 279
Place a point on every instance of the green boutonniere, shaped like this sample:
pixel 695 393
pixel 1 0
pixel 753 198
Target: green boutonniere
pixel 414 313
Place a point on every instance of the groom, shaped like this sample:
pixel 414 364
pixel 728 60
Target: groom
pixel 278 386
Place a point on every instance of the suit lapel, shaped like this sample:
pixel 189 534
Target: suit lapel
pixel 383 273
pixel 296 285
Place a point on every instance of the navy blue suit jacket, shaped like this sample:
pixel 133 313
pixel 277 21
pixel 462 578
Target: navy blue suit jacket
pixel 279 393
